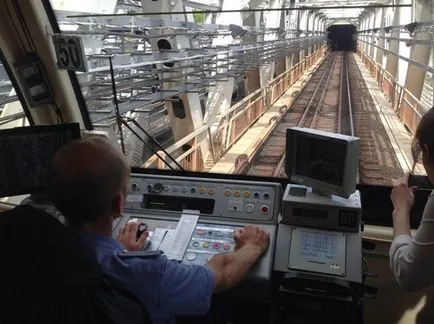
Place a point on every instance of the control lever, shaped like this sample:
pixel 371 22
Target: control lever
pixel 142 228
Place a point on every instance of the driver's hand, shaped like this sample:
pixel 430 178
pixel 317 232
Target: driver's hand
pixel 252 235
pixel 127 236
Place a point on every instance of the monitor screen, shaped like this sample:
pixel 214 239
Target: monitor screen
pixel 26 154
pixel 323 160
pixel 318 245
pixel 326 162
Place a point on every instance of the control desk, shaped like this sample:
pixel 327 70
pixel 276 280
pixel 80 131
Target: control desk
pixel 320 235
pixel 165 204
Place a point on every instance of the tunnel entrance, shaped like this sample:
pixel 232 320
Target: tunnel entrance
pixel 342 38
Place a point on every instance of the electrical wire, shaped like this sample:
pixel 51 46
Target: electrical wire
pixel 60 119
pixel 156 143
pixel 147 145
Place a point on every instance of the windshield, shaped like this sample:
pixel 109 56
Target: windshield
pixel 215 92
pixel 11 111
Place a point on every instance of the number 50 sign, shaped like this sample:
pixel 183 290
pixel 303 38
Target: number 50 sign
pixel 69 52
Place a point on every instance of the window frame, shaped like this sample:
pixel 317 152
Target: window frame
pixel 17 89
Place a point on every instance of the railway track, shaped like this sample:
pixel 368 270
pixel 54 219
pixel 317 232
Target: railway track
pixel 317 106
pixel 378 164
pixel 269 156
pixel 335 99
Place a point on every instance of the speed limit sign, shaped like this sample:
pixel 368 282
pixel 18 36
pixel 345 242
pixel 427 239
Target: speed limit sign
pixel 69 52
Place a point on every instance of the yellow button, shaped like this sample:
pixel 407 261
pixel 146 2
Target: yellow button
pixel 205 244
pixel 237 193
pixel 246 194
pixel 211 191
pixel 228 193
pixel 202 190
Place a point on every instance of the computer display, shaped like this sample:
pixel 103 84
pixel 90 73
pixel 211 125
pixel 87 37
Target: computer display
pixel 327 162
pixel 26 154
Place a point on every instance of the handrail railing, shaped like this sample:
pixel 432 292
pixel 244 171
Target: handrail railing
pixel 408 107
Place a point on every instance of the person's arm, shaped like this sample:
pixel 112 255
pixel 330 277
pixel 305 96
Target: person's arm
pixel 411 258
pixel 401 223
pixel 229 269
pixel 402 198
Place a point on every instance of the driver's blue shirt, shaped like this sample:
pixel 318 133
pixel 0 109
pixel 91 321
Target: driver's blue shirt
pixel 167 288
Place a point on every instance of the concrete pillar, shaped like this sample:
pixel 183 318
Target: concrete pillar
pixel 318 29
pixel 252 82
pixel 290 24
pixel 363 38
pixel 303 19
pixel 392 60
pixel 310 24
pixel 294 22
pixel 368 38
pixel 381 40
pixel 271 20
pixel 373 34
pixel 415 78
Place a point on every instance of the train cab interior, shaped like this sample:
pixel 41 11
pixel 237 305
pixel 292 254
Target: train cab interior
pixel 297 116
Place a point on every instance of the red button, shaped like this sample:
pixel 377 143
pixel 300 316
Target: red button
pixel 216 245
pixel 265 209
pixel 226 247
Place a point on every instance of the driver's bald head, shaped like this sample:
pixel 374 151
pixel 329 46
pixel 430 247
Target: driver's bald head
pixel 86 176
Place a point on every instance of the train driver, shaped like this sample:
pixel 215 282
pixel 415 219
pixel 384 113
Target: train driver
pixel 88 184
pixel 412 258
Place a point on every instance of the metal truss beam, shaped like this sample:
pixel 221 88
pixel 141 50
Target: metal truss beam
pixel 313 8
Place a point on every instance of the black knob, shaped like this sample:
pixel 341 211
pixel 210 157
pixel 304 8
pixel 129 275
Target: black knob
pixel 158 187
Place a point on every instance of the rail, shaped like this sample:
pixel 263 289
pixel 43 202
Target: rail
pixel 266 158
pixel 233 124
pixel 317 114
pixel 322 84
pixel 409 108
pixel 345 115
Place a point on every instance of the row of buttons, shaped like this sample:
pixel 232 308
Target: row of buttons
pixel 158 187
pixel 202 232
pixel 215 245
pixel 193 256
pixel 246 194
pixel 264 209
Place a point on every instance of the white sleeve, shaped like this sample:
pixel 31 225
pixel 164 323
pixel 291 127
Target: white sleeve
pixel 412 259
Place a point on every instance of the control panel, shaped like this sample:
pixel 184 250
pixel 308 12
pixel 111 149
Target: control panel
pixel 241 200
pixel 168 204
pixel 303 207
pixel 208 240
